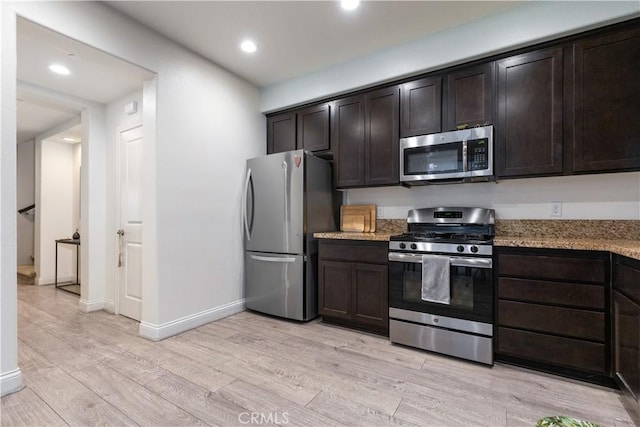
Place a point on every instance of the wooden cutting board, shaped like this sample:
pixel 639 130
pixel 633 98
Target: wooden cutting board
pixel 353 222
pixel 350 217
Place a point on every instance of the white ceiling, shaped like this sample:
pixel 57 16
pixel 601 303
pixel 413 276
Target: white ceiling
pixel 293 37
pixel 298 37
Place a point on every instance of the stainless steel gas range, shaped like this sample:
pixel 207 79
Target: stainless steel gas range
pixel 441 282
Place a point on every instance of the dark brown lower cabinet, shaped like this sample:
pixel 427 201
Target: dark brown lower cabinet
pixel 553 311
pixel 626 314
pixel 353 284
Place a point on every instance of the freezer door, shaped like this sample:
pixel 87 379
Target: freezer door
pixel 274 284
pixel 274 199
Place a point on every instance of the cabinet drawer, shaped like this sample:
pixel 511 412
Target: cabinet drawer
pixel 552 267
pixel 626 278
pixel 567 352
pixel 556 320
pixel 539 291
pixel 374 253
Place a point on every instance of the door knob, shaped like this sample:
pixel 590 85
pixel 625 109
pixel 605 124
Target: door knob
pixel 120 232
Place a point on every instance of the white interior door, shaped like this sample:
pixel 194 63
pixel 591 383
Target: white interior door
pixel 130 233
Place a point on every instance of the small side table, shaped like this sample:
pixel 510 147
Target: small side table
pixel 76 243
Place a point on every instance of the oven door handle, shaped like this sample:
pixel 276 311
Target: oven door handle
pixel 454 261
pixel 471 262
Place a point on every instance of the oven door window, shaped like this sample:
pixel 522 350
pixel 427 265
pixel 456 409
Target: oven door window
pixel 433 159
pixel 470 298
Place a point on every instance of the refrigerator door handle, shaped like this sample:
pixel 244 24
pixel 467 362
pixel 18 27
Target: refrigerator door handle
pixel 273 259
pixel 285 172
pixel 245 214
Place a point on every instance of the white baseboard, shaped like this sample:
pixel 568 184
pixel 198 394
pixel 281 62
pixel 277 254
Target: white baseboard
pixel 10 381
pixel 89 306
pixel 109 306
pixel 166 330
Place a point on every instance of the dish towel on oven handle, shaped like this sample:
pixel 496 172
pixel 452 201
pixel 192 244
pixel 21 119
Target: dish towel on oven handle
pixel 435 279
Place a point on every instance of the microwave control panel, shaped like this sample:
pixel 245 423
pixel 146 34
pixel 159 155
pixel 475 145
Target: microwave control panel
pixel 477 154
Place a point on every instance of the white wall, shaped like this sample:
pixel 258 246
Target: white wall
pixel 46 227
pixel 25 196
pixel 10 374
pixel 603 196
pixel 207 123
pixel 526 24
pixel 55 210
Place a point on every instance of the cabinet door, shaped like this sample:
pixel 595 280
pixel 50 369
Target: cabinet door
pixel 334 289
pixel 529 126
pixel 627 343
pixel 281 133
pixel 626 312
pixel 370 295
pixel 470 97
pixel 313 128
pixel 348 137
pixel 382 136
pixel 421 107
pixel 606 91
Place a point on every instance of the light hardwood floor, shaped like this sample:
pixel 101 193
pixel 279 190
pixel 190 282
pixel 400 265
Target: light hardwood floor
pixel 248 369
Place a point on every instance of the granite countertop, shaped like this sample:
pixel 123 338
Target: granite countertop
pixel 343 235
pixel 628 248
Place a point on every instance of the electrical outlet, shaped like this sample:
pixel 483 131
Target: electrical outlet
pixel 380 212
pixel 556 208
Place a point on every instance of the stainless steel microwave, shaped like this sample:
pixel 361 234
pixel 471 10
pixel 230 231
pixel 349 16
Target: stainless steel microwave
pixel 458 156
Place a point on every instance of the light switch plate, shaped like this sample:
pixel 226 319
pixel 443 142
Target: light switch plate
pixel 380 212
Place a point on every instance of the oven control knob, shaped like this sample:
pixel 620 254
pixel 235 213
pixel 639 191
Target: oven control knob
pixel 414 246
pixel 402 246
pixel 474 249
pixel 460 248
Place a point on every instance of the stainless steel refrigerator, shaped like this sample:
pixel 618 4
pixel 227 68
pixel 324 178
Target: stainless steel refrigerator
pixel 287 198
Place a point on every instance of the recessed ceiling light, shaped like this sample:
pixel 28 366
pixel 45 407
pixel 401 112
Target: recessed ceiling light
pixel 248 46
pixel 350 4
pixel 59 69
pixel 68 139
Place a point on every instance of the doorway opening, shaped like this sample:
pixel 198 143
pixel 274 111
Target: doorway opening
pixel 72 181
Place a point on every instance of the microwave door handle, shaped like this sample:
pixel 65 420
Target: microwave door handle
pixel 464 156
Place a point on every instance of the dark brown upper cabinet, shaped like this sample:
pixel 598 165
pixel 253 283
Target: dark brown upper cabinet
pixel 313 128
pixel 469 97
pixel 281 133
pixel 365 138
pixel 382 137
pixel 529 125
pixel 307 128
pixel 421 107
pixel 348 139
pixel 606 102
